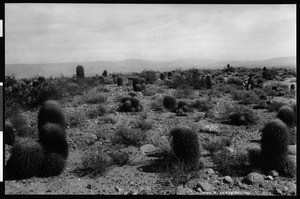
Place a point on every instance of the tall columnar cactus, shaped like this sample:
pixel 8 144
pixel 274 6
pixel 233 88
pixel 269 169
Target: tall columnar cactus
pixel 9 133
pixel 162 76
pixel 274 150
pixel 25 159
pixel 287 115
pixel 53 138
pixel 169 102
pixel 51 112
pixel 79 72
pixel 53 164
pixel 104 74
pixel 208 82
pixel 185 145
pixel 119 81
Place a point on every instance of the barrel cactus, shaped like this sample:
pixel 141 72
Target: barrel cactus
pixel 51 112
pixel 185 145
pixel 274 150
pixel 25 159
pixel 79 72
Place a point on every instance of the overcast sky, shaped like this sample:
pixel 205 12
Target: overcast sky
pixel 53 33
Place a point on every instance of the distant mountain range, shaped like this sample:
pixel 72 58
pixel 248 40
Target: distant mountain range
pixel 137 65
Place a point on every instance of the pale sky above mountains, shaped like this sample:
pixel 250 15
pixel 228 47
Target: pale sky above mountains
pixel 55 33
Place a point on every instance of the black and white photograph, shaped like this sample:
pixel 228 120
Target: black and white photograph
pixel 149 99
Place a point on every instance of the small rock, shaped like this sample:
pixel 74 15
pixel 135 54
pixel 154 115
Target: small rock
pixel 274 173
pixel 118 189
pixel 269 177
pixel 199 189
pixel 145 191
pixel 89 186
pixel 205 186
pixel 185 191
pixel 131 183
pixel 147 148
pixel 291 186
pixel 292 149
pixel 192 183
pixel 91 139
pixel 277 192
pixel 230 149
pixel 228 179
pixel 285 189
pixel 209 171
pixel 253 178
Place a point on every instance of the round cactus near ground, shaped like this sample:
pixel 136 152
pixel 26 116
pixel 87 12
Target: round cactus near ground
pixel 51 112
pixel 135 102
pixel 53 138
pixel 169 102
pixel 25 159
pixel 137 88
pixel 80 72
pixel 144 87
pixel 9 133
pixel 287 115
pixel 53 164
pixel 185 145
pixel 274 150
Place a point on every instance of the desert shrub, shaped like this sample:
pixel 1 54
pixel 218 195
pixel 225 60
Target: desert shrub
pixel 287 115
pixel 9 133
pixel 151 75
pixel 275 106
pixel 119 81
pixel 183 93
pixel 53 138
pixel 194 78
pixel 185 145
pixel 218 145
pixel 109 120
pixel 234 164
pixel 241 115
pixel 76 119
pixel 289 167
pixel 169 102
pixel 53 164
pixel 25 159
pixel 119 158
pixel 236 81
pixel 177 81
pixel 202 104
pixel 129 136
pixel 149 92
pixel 95 162
pixel 79 72
pixel 18 121
pixel 104 74
pixel 144 125
pixel 98 111
pixel 245 97
pixel 157 105
pixel 274 151
pixel 51 112
pixel 93 97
